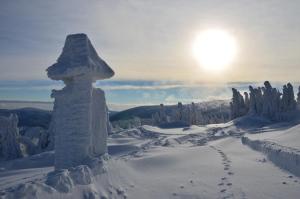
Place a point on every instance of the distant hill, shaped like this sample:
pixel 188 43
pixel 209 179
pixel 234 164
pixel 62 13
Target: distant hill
pixel 146 112
pixel 38 117
pixel 30 116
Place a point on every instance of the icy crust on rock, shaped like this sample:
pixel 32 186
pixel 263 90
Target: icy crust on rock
pixel 285 157
pixel 79 58
pixel 80 117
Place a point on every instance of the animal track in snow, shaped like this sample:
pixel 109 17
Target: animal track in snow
pixel 225 184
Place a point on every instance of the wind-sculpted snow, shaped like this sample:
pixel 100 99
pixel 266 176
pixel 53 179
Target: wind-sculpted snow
pixel 285 157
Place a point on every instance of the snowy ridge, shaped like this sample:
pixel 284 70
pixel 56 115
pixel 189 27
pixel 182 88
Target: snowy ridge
pixel 287 158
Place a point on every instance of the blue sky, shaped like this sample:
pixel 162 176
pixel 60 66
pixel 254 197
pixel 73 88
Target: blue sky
pixel 148 42
pixel 151 40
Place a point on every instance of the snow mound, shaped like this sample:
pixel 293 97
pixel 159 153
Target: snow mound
pixel 285 157
pixel 64 180
pixel 251 122
pixel 287 137
pixel 61 181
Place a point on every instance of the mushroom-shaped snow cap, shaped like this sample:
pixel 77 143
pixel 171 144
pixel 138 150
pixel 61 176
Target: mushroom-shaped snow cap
pixel 79 58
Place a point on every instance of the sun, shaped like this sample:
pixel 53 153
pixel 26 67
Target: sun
pixel 214 49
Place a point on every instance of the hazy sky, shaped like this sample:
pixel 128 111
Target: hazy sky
pixel 151 40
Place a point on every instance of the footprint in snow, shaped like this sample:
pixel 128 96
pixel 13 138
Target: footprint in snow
pixel 223 190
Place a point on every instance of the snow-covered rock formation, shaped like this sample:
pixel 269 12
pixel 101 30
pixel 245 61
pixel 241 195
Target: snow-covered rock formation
pixel 265 101
pixel 79 121
pixel 9 135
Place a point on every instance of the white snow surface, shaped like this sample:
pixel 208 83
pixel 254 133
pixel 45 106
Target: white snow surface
pixel 149 162
pixel 289 137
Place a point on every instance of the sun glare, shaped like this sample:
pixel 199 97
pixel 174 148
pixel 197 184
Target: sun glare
pixel 214 49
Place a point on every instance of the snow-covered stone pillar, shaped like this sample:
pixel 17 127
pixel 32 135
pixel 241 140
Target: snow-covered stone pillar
pixel 80 118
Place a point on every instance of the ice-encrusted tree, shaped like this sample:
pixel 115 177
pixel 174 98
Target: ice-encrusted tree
pixel 298 96
pixel 194 114
pixel 265 101
pixel 247 101
pixel 288 98
pixel 179 115
pixel 160 117
pixel 162 114
pixel 9 135
pixel 155 119
pixel 237 105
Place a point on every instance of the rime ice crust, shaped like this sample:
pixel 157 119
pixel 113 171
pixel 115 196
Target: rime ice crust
pixel 79 121
pixel 264 101
pixel 79 58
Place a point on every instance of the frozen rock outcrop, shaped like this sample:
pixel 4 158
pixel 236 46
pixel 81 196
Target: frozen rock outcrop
pixel 9 135
pixel 79 121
